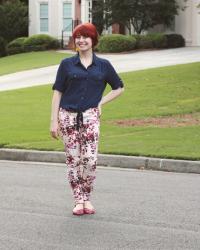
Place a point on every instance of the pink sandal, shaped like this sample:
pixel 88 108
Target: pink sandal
pixel 89 210
pixel 79 211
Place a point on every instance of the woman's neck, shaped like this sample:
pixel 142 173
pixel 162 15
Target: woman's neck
pixel 86 58
pixel 85 55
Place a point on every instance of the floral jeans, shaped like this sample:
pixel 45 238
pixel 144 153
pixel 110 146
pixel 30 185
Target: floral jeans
pixel 81 146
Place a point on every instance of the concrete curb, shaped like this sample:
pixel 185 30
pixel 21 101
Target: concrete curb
pixel 181 166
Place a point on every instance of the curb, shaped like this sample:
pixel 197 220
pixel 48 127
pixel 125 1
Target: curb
pixel 132 162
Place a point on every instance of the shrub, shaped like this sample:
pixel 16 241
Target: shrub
pixel 16 46
pixel 143 42
pixel 3 51
pixel 159 40
pixel 40 42
pixel 116 43
pixel 175 41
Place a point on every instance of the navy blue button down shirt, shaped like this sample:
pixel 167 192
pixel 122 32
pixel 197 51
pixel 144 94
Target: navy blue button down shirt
pixel 82 87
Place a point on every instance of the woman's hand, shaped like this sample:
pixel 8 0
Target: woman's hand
pixel 54 129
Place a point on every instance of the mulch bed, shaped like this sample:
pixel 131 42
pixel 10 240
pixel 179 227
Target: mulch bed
pixel 163 122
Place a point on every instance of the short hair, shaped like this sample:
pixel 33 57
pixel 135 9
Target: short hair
pixel 87 30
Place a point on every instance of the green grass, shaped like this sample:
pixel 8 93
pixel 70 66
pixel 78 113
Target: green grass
pixel 32 60
pixel 157 92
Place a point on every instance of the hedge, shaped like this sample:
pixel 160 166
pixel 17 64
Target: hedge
pixel 159 40
pixel 40 42
pixel 107 43
pixel 3 51
pixel 175 41
pixel 121 43
pixel 143 42
pixel 116 43
pixel 16 46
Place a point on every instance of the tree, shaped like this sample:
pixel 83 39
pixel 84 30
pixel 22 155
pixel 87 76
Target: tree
pixel 141 14
pixel 13 19
pixel 98 15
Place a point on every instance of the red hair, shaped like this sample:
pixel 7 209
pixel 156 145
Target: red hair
pixel 87 30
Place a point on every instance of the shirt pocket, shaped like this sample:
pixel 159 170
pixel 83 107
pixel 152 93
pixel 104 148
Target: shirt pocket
pixel 75 76
pixel 98 78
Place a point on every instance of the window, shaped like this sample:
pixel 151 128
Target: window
pixel 172 26
pixel 67 17
pixel 44 21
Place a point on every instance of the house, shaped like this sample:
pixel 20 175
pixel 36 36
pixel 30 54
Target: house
pixel 59 17
pixel 187 23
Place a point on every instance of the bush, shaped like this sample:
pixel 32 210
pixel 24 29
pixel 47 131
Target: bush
pixel 143 42
pixel 40 42
pixel 159 40
pixel 3 51
pixel 16 46
pixel 175 41
pixel 116 43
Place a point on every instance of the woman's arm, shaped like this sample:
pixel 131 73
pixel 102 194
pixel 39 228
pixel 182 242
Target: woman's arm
pixel 110 96
pixel 54 113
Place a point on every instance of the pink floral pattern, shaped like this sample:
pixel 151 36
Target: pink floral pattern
pixel 81 148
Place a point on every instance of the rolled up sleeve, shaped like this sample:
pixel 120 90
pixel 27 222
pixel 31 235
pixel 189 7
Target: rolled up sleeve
pixel 112 78
pixel 60 82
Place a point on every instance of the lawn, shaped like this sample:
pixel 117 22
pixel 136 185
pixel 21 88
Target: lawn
pixel 165 91
pixel 25 61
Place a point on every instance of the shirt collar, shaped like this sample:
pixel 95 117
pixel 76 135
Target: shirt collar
pixel 77 59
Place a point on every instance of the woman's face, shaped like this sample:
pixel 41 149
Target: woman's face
pixel 83 43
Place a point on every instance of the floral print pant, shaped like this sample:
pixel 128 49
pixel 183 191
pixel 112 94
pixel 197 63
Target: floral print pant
pixel 81 146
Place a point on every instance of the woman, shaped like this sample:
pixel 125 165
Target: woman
pixel 76 109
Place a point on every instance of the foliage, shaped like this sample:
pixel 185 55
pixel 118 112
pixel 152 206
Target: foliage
pixel 16 46
pixel 40 42
pixel 175 41
pixel 3 51
pixel 98 15
pixel 13 19
pixel 142 15
pixel 116 43
pixel 143 42
pixel 159 40
pixel 120 43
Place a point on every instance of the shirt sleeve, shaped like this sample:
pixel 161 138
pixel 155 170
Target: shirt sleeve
pixel 112 78
pixel 60 79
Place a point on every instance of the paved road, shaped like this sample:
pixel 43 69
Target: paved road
pixel 122 63
pixel 135 210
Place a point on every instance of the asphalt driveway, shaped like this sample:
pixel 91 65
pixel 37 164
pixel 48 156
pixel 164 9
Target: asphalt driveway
pixel 136 209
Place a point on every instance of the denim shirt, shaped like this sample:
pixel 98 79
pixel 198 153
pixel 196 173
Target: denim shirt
pixel 82 88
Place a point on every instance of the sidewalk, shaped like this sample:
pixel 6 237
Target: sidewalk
pixel 124 62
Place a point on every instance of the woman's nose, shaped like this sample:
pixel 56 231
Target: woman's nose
pixel 82 39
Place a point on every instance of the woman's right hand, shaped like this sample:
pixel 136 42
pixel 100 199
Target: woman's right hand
pixel 54 129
